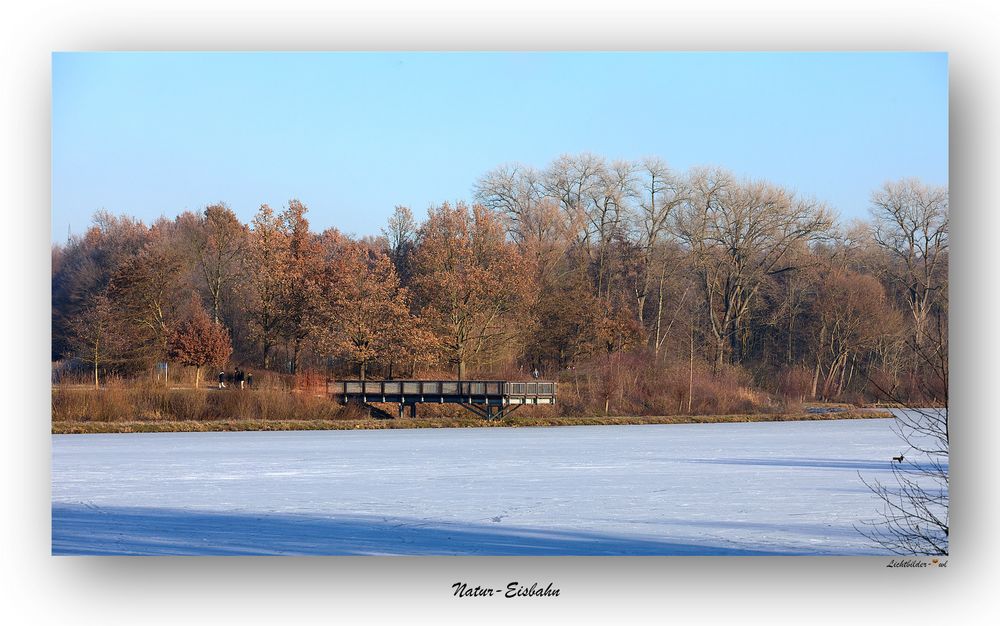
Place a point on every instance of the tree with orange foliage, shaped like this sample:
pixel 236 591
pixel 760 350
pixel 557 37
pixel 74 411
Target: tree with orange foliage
pixel 300 275
pixel 565 318
pixel 84 269
pixel 265 263
pixel 197 341
pixel 367 318
pixel 471 282
pixel 145 291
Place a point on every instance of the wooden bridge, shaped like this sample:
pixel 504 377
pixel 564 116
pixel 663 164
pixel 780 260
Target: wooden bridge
pixel 489 399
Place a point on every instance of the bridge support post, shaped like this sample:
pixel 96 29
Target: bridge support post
pixel 372 411
pixel 490 412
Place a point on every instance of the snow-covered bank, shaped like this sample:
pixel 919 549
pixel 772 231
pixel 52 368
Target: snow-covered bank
pixel 772 488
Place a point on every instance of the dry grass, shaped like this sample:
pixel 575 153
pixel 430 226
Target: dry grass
pixel 147 403
pixel 634 384
pixel 147 407
pixel 71 427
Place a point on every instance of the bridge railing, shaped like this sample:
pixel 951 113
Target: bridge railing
pixel 530 389
pixel 480 388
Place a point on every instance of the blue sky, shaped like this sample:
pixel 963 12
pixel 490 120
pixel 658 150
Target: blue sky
pixel 354 134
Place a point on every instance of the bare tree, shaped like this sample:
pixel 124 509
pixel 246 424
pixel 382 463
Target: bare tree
pixel 95 336
pixel 217 241
pixel 738 234
pixel 513 191
pixel 572 181
pixel 609 209
pixel 847 315
pixel 914 508
pixel 911 224
pixel 401 233
pixel 659 194
pixel 913 516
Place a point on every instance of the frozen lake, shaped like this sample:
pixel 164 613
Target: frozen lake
pixel 705 489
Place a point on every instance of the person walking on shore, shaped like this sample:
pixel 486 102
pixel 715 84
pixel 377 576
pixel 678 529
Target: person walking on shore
pixel 239 378
pixel 222 380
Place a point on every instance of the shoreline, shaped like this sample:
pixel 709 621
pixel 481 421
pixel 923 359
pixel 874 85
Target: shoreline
pixel 157 426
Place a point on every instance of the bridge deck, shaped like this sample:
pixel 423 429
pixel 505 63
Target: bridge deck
pixel 486 398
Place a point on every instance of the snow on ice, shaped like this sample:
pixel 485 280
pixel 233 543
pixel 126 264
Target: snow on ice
pixel 705 489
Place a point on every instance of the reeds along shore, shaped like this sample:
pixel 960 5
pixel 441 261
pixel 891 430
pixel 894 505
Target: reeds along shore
pixel 135 406
pixel 302 397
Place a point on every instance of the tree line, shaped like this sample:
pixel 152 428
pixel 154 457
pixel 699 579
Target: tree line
pixel 624 276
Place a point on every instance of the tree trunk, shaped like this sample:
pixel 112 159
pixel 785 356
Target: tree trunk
pixel 790 355
pixel 720 353
pixel 197 376
pixel 815 383
pixel 835 367
pixel 843 375
pixel 216 292
pixel 659 316
pixel 691 371
pixel 600 270
pixel 296 350
pixel 734 345
pixel 819 359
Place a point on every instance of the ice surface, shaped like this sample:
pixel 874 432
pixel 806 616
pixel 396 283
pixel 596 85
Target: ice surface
pixel 705 489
